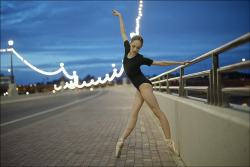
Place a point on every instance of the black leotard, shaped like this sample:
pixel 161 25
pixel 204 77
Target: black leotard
pixel 132 67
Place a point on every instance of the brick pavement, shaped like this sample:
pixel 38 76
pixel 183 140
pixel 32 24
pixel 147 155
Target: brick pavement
pixel 86 135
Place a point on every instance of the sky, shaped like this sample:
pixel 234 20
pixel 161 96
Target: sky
pixel 86 37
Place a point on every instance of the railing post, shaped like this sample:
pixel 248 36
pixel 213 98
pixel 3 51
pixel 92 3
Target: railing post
pixel 185 92
pixel 160 84
pixel 215 66
pixel 181 83
pixel 223 98
pixel 211 87
pixel 167 90
pixel 219 87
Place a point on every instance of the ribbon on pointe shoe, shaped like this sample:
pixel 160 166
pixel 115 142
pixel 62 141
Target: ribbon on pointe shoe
pixel 171 146
pixel 119 146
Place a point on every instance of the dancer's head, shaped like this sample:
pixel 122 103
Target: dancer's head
pixel 136 43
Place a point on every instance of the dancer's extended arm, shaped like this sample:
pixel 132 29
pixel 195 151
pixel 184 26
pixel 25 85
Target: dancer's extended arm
pixel 169 63
pixel 124 36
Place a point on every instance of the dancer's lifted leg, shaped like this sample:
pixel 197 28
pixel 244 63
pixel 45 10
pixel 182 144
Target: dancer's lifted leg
pixel 138 101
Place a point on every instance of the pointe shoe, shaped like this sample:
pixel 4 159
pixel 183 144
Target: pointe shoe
pixel 171 146
pixel 119 146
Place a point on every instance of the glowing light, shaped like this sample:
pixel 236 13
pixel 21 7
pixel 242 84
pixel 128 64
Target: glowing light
pixel 137 20
pixel 4 94
pixel 10 42
pixel 27 93
pixel 16 88
pixel 132 34
pixel 53 91
pixel 91 89
pixel 243 59
pixel 73 84
pixel 57 88
pixel 9 70
pixel 244 105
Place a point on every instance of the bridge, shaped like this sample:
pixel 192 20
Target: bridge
pixel 81 128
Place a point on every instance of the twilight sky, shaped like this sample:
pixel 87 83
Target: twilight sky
pixel 85 36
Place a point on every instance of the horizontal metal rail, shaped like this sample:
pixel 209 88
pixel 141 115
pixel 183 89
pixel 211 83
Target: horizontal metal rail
pixel 216 93
pixel 198 74
pixel 235 67
pixel 224 93
pixel 197 88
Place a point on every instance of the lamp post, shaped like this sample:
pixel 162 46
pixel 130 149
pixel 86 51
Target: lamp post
pixel 12 91
pixel 10 42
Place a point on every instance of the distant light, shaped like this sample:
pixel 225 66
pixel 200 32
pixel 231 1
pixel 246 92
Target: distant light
pixel 7 93
pixel 30 85
pixel 79 90
pixel 53 91
pixel 132 34
pixel 9 70
pixel 16 88
pixel 113 65
pixel 4 94
pixel 27 93
pixel 243 59
pixel 11 42
pixel 91 89
pixel 244 105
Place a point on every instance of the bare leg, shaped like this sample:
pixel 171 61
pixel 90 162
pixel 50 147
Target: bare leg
pixel 148 95
pixel 138 101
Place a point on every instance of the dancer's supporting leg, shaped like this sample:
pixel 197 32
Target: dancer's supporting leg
pixel 138 101
pixel 149 97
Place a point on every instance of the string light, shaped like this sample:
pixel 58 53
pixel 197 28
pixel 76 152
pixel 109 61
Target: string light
pixel 137 20
pixel 73 84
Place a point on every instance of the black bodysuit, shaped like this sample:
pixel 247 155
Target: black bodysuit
pixel 132 67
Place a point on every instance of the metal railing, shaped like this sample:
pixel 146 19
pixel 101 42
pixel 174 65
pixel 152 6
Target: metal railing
pixel 217 94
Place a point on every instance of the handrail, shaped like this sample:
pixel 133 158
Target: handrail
pixel 216 94
pixel 235 67
pixel 230 45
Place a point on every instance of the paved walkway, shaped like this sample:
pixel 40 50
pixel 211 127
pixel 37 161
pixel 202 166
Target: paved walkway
pixel 86 135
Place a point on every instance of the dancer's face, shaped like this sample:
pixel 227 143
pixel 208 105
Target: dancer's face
pixel 135 46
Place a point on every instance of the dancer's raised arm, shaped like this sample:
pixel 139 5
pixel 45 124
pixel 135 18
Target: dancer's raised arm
pixel 169 63
pixel 124 36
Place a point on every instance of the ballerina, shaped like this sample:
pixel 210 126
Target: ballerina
pixel 131 62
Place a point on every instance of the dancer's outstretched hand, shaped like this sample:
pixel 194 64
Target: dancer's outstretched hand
pixel 115 13
pixel 185 62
